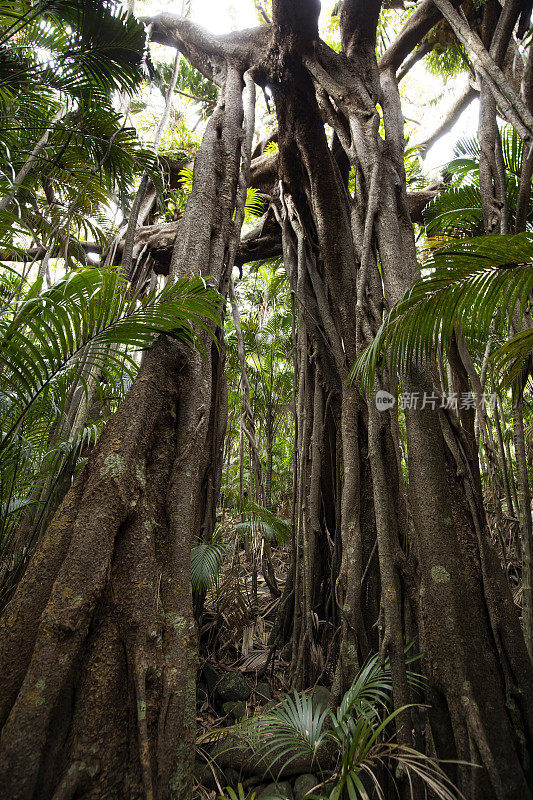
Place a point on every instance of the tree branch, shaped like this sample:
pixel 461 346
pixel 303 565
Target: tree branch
pixel 359 22
pixel 509 102
pixel 205 51
pixel 421 51
pixel 21 176
pixel 462 103
pixel 417 26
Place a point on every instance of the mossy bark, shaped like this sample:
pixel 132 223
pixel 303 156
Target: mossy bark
pixel 97 647
pixel 98 644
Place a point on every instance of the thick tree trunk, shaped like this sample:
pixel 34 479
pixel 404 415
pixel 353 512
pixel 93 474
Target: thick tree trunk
pixel 526 527
pixel 98 644
pixel 97 693
pixel 462 580
pixel 460 575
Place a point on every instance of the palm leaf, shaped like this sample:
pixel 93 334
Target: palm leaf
pixel 89 309
pixel 455 211
pixel 473 285
pixel 264 522
pixel 206 562
pixel 254 205
pixel 296 729
pixel 97 45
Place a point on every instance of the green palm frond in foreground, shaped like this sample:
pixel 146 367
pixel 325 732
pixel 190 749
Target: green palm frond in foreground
pixel 77 320
pixel 206 561
pixel 350 747
pixel 474 285
pixel 53 344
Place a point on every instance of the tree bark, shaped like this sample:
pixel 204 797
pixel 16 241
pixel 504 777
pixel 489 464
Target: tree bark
pixel 98 645
pixel 88 657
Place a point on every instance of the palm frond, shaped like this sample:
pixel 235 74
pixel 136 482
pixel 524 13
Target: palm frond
pixel 294 730
pixel 95 45
pixel 473 285
pixel 513 359
pixel 254 205
pixel 456 211
pixel 206 561
pixel 354 735
pixel 81 316
pixel 264 522
pixel 513 151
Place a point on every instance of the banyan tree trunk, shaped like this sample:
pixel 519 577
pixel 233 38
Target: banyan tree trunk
pixel 480 674
pixel 470 626
pixel 98 644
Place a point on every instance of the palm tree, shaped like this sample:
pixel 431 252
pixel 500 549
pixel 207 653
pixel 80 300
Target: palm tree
pixel 349 747
pixel 66 153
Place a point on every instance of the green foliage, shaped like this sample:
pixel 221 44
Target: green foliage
pixel 472 286
pixel 457 210
pixel 356 735
pixel 295 729
pixel 206 561
pixel 266 321
pixel 89 46
pixel 46 333
pixel 207 558
pixel 177 139
pixel 62 63
pixel 447 57
pixel 262 523
pixel 193 83
pixel 177 198
pixel 52 342
pixel 65 157
pixel 240 794
pixel 446 61
pixel 415 177
pixel 12 229
pixel 254 205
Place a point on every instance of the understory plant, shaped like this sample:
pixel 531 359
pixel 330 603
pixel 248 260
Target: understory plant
pixel 78 339
pixel 207 558
pixel 352 748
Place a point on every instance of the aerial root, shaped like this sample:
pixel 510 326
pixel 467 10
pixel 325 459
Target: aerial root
pixel 139 674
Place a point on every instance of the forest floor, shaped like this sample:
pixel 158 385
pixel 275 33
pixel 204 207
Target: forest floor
pixel 240 673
